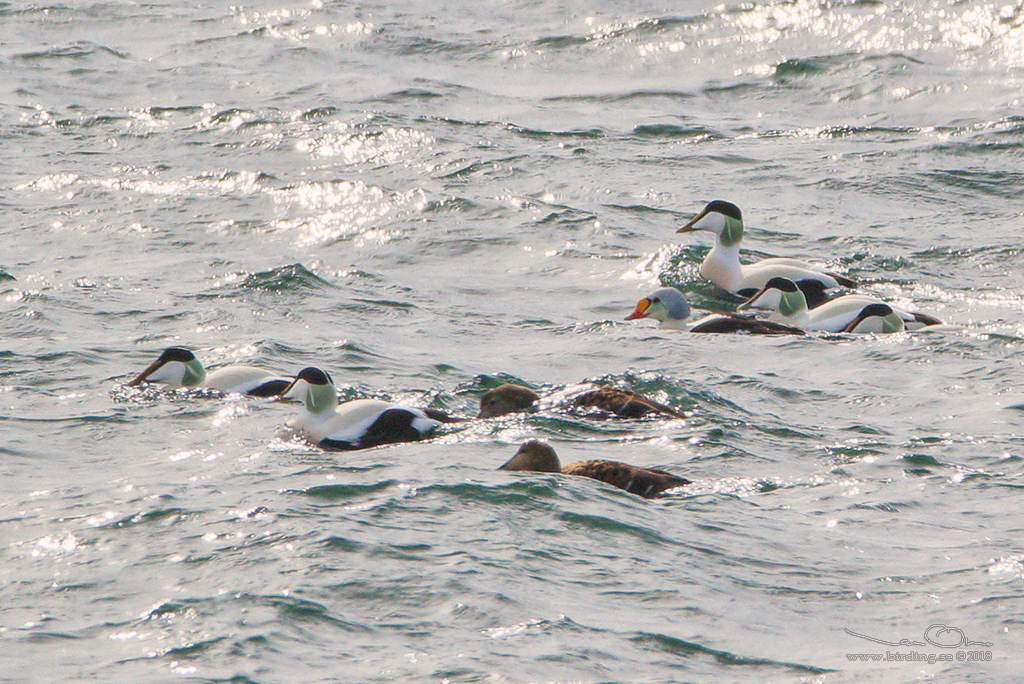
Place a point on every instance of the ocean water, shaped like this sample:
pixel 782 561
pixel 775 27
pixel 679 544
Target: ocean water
pixel 429 199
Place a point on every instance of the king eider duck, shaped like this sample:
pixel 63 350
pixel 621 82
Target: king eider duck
pixel 646 482
pixel 511 398
pixel 179 367
pixel 722 264
pixel 358 424
pixel 786 301
pixel 668 306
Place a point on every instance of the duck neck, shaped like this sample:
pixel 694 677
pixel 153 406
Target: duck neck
pixel 792 304
pixel 194 374
pixel 732 233
pixel 673 324
pixel 722 266
pixel 892 323
pixel 321 398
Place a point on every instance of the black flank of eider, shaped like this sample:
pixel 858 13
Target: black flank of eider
pixel 271 388
pixel 925 319
pixel 391 427
pixel 843 280
pixel 733 323
pixel 442 417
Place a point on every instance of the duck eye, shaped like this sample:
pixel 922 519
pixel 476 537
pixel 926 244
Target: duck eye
pixel 655 300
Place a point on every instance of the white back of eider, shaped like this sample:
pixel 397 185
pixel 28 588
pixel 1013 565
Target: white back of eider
pixel 756 276
pixel 237 378
pixel 908 318
pixel 345 423
pixel 832 316
pixel 349 421
pixel 722 267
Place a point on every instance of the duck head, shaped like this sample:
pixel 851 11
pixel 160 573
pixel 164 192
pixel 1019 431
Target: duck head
pixel 876 318
pixel 314 388
pixel 778 294
pixel 665 305
pixel 536 456
pixel 505 399
pixel 815 292
pixel 722 218
pixel 176 367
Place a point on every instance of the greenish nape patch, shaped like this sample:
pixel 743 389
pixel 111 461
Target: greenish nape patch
pixel 321 398
pixel 657 311
pixel 892 323
pixel 194 373
pixel 733 231
pixel 792 303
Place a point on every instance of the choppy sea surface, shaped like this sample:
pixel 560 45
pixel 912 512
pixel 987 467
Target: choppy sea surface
pixel 429 199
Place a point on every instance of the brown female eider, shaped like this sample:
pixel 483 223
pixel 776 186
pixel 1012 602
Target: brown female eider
pixel 649 483
pixel 510 398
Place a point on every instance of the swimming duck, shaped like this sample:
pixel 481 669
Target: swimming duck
pixel 722 264
pixel 510 398
pixel 782 296
pixel 668 306
pixel 178 367
pixel 358 424
pixel 647 482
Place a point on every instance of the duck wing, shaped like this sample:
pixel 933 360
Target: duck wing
pixel 645 482
pixel 366 423
pixel 918 320
pixel 271 388
pixel 622 403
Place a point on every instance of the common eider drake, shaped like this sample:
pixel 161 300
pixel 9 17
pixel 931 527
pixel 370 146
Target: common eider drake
pixel 649 483
pixel 722 264
pixel 358 424
pixel 511 398
pixel 668 306
pixel 178 367
pixel 787 302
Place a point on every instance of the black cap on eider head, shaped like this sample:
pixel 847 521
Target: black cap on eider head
pixel 179 354
pixel 815 292
pixel 876 309
pixel 723 207
pixel 169 355
pixel 780 283
pixel 314 376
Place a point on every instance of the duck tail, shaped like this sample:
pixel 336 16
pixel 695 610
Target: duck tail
pixel 845 281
